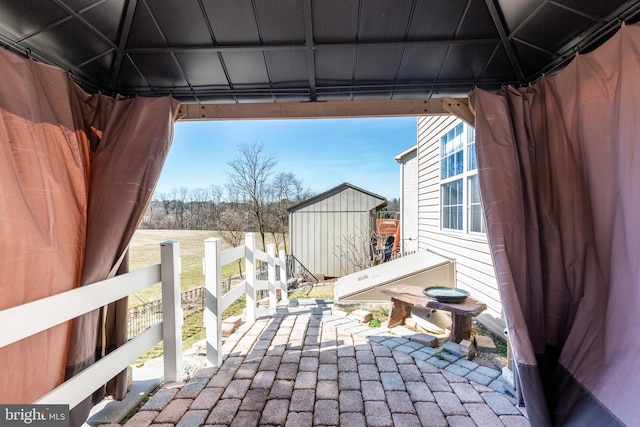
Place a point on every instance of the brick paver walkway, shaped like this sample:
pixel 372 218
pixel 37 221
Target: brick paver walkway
pixel 299 368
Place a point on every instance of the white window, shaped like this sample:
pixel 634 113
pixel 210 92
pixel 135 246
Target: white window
pixel 460 206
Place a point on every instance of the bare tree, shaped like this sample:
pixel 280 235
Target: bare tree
pixel 215 193
pixel 150 217
pixel 192 209
pixel 249 180
pixel 232 226
pixel 285 191
pixel 355 250
pixel 204 207
pixel 199 201
pixel 178 203
pixel 165 200
pixel 394 205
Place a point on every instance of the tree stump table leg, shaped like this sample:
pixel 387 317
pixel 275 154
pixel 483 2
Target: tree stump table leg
pixel 460 328
pixel 400 310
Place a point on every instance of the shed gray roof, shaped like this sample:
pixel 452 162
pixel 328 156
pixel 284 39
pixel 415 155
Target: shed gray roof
pixel 336 190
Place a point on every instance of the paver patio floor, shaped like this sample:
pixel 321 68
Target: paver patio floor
pixel 297 369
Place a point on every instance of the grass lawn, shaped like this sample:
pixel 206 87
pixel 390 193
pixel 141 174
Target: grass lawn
pixel 192 332
pixel 316 291
pixel 144 250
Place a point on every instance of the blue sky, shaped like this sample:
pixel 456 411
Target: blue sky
pixel 322 153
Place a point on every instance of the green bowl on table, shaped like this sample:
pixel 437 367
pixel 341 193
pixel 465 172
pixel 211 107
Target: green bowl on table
pixel 445 294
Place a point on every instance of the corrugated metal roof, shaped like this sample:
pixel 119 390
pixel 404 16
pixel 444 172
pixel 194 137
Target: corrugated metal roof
pixel 215 51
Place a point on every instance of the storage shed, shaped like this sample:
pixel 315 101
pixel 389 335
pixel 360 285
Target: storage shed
pixel 329 229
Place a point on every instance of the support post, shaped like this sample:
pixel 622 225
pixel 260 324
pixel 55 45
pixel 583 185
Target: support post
pixel 171 310
pixel 271 274
pixel 118 385
pixel 213 295
pixel 399 311
pixel 460 327
pixel 282 265
pixel 250 269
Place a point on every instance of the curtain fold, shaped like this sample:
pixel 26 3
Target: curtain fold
pixel 77 172
pixel 133 140
pixel 559 172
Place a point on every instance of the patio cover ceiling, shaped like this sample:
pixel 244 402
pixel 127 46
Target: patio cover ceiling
pixel 277 52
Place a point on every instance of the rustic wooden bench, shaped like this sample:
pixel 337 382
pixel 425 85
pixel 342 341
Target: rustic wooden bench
pixel 404 297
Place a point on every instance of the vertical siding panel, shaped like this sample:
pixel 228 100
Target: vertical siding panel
pixel 300 230
pixel 292 233
pixel 318 228
pixel 292 225
pixel 317 242
pixel 341 222
pixel 301 227
pixel 328 263
pixel 304 235
pixel 308 218
pixel 348 203
pixel 344 229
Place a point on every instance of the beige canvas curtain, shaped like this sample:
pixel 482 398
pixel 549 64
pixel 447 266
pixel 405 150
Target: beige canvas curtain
pixel 559 169
pixel 77 173
pixel 130 141
pixel 43 216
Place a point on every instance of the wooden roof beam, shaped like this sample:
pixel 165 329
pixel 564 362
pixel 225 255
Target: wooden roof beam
pixel 315 110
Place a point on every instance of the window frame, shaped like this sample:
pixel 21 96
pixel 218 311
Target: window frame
pixel 446 178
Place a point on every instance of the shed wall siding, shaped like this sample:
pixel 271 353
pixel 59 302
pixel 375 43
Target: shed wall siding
pixel 474 265
pixel 318 230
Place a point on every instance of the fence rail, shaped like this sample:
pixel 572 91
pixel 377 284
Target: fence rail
pixel 217 300
pixel 31 318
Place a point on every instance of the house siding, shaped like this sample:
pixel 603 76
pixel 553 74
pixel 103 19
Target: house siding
pixel 409 202
pixel 317 229
pixel 474 266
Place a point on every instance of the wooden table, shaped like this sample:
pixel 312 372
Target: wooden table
pixel 404 297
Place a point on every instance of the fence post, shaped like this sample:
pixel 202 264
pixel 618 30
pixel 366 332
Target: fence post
pixel 250 270
pixel 271 274
pixel 171 310
pixel 213 295
pixel 282 265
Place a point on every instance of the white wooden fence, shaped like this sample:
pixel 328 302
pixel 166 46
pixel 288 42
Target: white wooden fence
pixel 216 302
pixel 36 316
